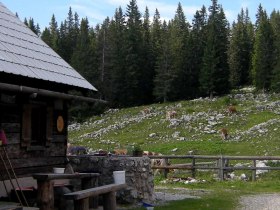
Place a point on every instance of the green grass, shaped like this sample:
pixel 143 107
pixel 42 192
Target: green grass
pixel 224 195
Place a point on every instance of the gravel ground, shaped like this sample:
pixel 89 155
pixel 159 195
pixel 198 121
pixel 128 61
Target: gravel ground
pixel 260 202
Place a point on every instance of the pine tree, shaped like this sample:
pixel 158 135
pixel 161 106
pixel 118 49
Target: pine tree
pixel 146 83
pixel 104 59
pixel 164 75
pixel 118 69
pixel 54 33
pixel 196 45
pixel 63 45
pixel 275 23
pixel 46 36
pixel 214 77
pixel 179 37
pixel 70 33
pixel 83 56
pixel 240 50
pixel 264 53
pixel 134 56
pixel 30 24
pixel 156 32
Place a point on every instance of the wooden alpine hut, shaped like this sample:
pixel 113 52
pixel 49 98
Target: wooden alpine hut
pixel 34 92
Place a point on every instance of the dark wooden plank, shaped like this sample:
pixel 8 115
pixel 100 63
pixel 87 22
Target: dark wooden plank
pixel 45 197
pixel 59 138
pixel 52 176
pixel 109 201
pixel 82 204
pixel 36 161
pixel 94 191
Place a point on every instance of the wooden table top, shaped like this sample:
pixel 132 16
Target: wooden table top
pixel 52 176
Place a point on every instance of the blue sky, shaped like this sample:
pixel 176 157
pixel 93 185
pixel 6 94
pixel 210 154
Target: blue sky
pixel 97 10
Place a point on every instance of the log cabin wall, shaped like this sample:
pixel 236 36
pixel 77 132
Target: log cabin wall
pixel 36 131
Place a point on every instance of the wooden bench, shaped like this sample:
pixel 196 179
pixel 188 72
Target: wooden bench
pixel 81 198
pixel 45 183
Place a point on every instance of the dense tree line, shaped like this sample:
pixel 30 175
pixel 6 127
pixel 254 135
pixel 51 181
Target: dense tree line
pixel 133 59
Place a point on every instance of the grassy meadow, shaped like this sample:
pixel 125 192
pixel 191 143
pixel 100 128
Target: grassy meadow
pixel 253 130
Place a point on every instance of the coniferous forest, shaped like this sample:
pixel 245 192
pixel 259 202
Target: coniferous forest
pixel 134 59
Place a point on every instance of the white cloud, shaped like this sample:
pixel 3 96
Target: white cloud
pixel 94 15
pixel 97 10
pixel 230 15
pixel 245 4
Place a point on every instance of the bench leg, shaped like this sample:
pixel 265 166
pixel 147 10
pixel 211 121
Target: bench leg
pixel 90 183
pixel 45 199
pixel 82 204
pixel 109 201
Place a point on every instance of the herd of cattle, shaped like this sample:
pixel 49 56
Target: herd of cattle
pixel 171 114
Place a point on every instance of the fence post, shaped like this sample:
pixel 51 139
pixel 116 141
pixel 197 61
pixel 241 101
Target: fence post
pixel 221 169
pixel 166 170
pixel 193 167
pixel 254 171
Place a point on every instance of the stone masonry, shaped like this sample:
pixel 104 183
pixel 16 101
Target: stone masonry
pixel 139 175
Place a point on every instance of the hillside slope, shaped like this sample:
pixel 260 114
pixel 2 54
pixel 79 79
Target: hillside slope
pixel 195 128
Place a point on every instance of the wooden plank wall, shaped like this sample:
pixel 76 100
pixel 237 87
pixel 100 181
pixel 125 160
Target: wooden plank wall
pixel 25 161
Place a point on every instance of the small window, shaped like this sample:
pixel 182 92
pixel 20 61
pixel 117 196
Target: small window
pixel 36 125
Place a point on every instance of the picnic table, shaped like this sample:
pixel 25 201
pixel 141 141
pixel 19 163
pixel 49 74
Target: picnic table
pixel 45 184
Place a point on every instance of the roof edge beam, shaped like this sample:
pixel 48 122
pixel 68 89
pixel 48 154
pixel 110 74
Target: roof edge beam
pixel 47 93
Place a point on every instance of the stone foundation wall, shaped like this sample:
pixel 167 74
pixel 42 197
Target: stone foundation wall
pixel 138 172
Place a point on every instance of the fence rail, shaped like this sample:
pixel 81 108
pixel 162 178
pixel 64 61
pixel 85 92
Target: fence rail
pixel 221 164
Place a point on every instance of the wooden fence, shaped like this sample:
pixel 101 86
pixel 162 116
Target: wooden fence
pixel 219 163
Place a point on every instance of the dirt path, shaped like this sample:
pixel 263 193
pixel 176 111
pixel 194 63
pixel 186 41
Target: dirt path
pixel 260 202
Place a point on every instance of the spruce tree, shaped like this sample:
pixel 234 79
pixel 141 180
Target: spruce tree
pixel 83 56
pixel 118 68
pixel 134 56
pixel 54 33
pixel 240 50
pixel 196 45
pixel 164 74
pixel 275 23
pixel 179 36
pixel 146 83
pixel 104 60
pixel 264 53
pixel 46 36
pixel 214 76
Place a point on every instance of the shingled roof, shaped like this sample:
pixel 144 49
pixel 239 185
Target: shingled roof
pixel 23 53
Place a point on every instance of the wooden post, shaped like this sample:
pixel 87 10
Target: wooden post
pixel 45 199
pixel 165 172
pixel 193 167
pixel 221 169
pixel 87 183
pixel 82 204
pixel 254 171
pixel 109 201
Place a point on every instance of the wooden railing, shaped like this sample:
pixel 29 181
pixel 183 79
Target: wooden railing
pixel 219 163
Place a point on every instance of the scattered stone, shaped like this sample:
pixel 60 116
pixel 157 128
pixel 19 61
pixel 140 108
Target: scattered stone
pixel 152 135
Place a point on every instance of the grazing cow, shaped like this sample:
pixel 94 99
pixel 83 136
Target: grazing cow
pixel 171 114
pixel 146 111
pixel 157 162
pixel 224 134
pixel 232 109
pixel 120 151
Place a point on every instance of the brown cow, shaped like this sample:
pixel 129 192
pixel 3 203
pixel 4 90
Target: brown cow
pixel 224 134
pixel 232 109
pixel 171 114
